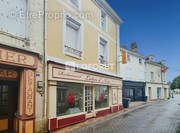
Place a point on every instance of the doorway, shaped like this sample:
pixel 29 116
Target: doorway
pixel 89 101
pixel 165 93
pixel 8 105
pixel 158 93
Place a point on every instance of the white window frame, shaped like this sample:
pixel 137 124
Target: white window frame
pixel 99 40
pixel 152 76
pixel 106 28
pixel 81 41
pixel 128 57
pixel 76 6
pixel 140 61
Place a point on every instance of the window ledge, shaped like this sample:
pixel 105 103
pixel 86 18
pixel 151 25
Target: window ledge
pixel 104 64
pixel 73 52
pixel 71 115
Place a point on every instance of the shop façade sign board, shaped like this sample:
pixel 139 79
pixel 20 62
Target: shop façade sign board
pixel 61 74
pixel 11 57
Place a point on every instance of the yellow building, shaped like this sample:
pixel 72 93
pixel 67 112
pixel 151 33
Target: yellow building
pixel 82 44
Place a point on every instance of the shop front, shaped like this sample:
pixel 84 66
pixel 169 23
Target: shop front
pixel 134 90
pixel 17 91
pixel 78 95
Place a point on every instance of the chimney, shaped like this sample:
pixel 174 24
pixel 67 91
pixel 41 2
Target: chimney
pixel 134 47
pixel 151 57
pixel 163 62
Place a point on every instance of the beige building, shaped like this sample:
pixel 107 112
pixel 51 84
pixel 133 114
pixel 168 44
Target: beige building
pixel 82 55
pixel 156 83
pixel 21 66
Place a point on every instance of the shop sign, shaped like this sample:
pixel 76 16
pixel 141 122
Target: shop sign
pixel 8 74
pixel 12 57
pixel 82 77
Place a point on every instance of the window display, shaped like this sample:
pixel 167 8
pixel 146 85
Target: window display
pixel 69 98
pixel 101 97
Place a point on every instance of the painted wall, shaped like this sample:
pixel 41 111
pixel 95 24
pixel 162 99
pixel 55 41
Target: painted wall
pixel 156 82
pixel 25 33
pixel 132 70
pixel 91 32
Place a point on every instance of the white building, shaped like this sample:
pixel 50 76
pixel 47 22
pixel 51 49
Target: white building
pixel 133 73
pixel 142 77
pixel 156 83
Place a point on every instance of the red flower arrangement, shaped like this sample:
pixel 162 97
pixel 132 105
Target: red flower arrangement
pixel 70 98
pixel 102 97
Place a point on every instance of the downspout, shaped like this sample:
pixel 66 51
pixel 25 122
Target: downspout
pixel 45 67
pixel 162 78
pixel 118 50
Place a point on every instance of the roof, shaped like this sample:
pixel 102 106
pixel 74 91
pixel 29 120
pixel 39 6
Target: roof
pixel 134 53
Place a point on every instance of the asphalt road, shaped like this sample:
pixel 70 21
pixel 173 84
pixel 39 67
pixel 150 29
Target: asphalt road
pixel 160 117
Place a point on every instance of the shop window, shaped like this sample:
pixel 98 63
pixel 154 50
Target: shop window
pixel 69 98
pixel 101 97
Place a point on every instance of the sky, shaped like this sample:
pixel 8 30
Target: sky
pixel 155 26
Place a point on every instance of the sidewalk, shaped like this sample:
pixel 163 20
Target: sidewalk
pixel 133 107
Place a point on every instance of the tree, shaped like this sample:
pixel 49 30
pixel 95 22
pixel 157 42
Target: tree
pixel 176 83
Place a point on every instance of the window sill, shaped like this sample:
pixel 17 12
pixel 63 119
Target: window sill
pixel 68 116
pixel 73 52
pixel 102 109
pixel 104 65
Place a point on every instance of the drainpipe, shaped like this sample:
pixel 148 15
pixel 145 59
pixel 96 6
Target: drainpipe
pixel 118 50
pixel 162 77
pixel 44 66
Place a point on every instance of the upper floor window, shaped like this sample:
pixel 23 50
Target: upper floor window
pixel 128 57
pixel 104 20
pixel 73 37
pixel 75 3
pixel 103 51
pixel 140 61
pixel 152 76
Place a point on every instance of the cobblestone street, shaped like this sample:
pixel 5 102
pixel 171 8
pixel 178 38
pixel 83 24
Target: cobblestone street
pixel 160 117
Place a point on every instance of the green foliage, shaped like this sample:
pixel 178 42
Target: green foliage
pixel 176 83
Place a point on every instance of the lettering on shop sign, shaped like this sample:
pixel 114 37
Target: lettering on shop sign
pixel 8 74
pixel 30 92
pixel 59 73
pixel 8 56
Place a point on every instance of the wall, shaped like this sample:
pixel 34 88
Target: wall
pixel 25 33
pixel 91 32
pixel 157 82
pixel 132 70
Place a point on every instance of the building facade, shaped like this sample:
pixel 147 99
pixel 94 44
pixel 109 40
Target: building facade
pixel 133 73
pixel 157 87
pixel 21 66
pixel 82 55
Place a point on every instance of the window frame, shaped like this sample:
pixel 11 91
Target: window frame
pixel 140 61
pixel 81 40
pixel 107 50
pixel 152 76
pixel 106 20
pixel 75 6
pixel 128 57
